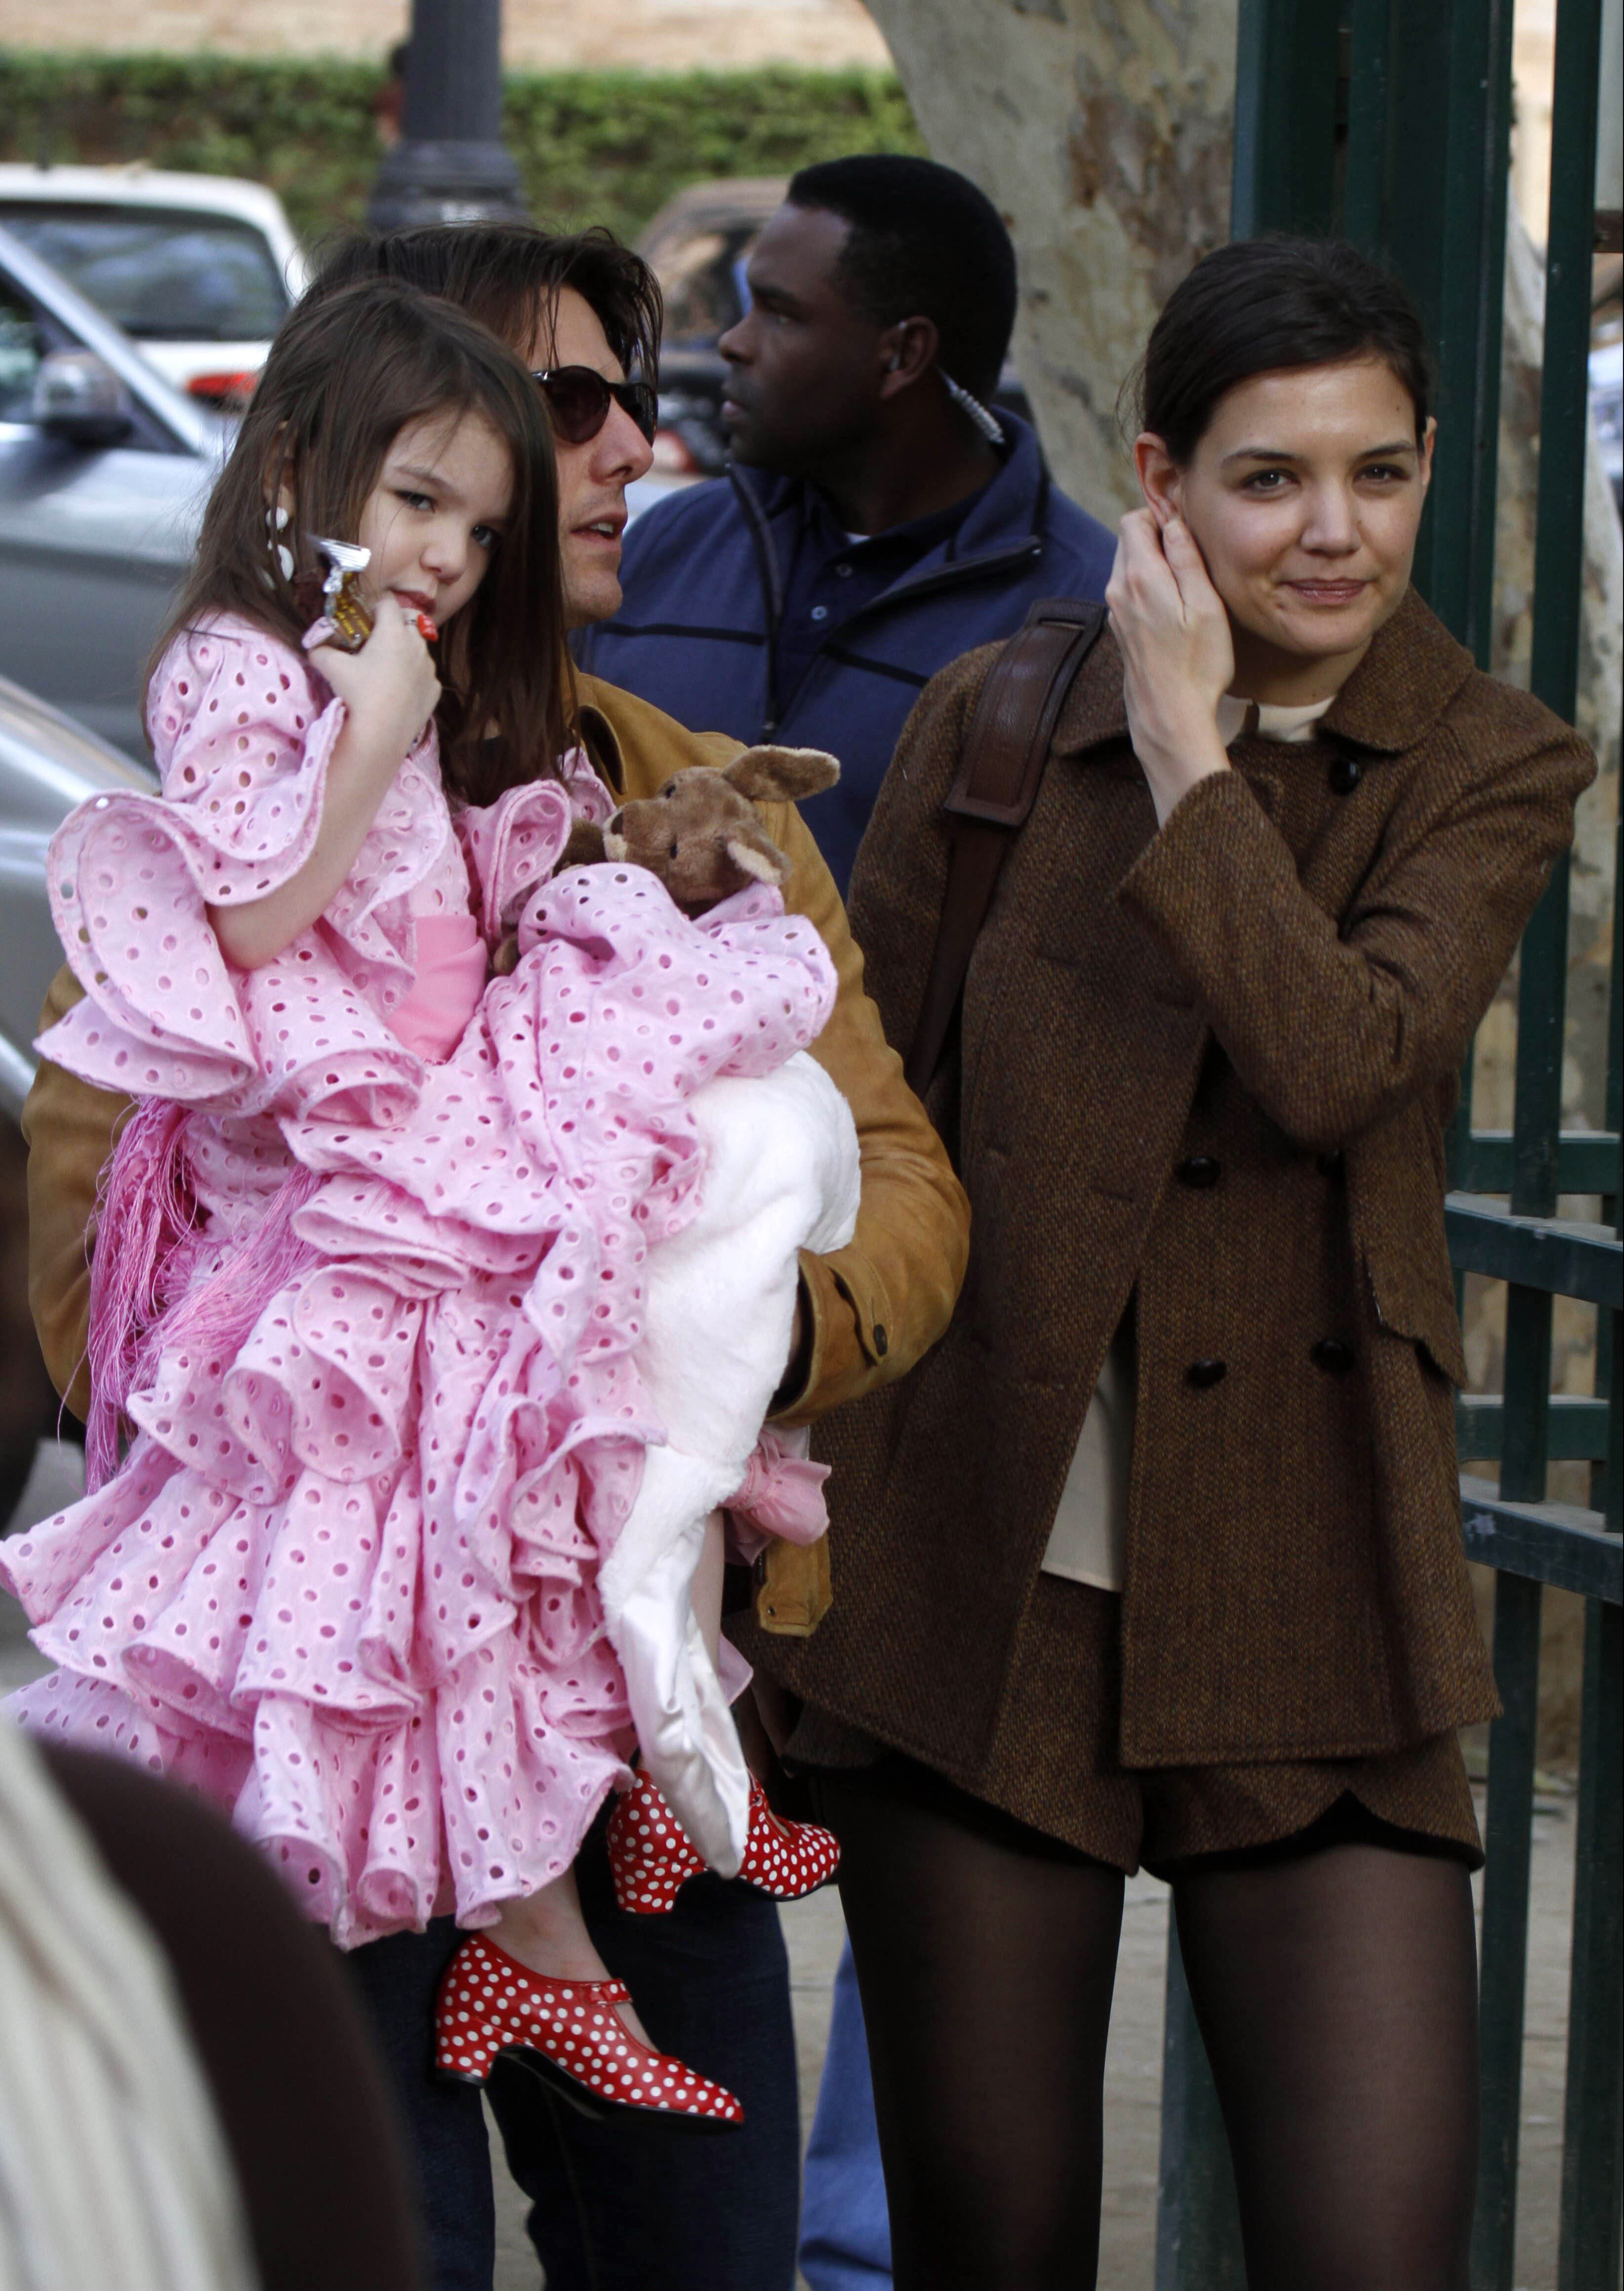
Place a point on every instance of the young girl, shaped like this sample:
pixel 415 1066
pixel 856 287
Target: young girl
pixel 371 1259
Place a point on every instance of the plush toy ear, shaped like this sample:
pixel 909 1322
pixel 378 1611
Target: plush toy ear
pixel 585 847
pixel 757 855
pixel 782 775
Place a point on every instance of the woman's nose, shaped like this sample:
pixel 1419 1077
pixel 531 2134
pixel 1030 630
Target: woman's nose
pixel 1332 522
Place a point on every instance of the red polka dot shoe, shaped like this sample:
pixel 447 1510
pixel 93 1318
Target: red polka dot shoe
pixel 567 2031
pixel 651 1860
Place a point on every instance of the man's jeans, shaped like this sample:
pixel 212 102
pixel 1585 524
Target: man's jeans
pixel 846 2228
pixel 632 2203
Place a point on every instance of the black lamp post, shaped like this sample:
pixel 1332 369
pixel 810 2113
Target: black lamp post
pixel 449 165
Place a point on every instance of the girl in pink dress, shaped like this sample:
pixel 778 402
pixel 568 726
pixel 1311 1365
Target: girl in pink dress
pixel 370 1270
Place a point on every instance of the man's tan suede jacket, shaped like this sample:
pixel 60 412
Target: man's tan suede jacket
pixel 876 1304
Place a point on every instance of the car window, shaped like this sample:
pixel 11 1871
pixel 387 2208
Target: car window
pixel 701 280
pixel 20 351
pixel 162 276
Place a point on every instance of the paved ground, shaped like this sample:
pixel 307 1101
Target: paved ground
pixel 1133 2069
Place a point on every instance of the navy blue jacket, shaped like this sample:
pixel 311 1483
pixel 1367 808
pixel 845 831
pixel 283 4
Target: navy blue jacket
pixel 704 576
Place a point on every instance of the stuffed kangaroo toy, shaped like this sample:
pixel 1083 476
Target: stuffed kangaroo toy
pixel 700 835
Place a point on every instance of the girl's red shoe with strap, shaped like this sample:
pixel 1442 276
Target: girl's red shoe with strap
pixel 491 2004
pixel 651 1860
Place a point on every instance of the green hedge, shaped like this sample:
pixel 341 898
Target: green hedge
pixel 601 147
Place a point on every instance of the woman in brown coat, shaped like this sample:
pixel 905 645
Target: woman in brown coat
pixel 1157 1556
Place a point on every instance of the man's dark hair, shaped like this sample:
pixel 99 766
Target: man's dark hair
pixel 924 243
pixel 1268 306
pixel 501 271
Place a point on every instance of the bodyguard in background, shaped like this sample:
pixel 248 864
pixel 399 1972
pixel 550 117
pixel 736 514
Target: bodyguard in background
pixel 878 520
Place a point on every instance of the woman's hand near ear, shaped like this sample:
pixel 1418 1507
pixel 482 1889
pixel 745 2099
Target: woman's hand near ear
pixel 1177 660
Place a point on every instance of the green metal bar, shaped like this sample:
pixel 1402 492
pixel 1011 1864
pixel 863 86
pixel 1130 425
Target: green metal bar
pixel 1365 172
pixel 1587 2253
pixel 1508 1842
pixel 1542 980
pixel 1576 1431
pixel 1198 2219
pixel 1586 1162
pixel 1559 1255
pixel 1552 1542
pixel 1457 1143
pixel 1558 546
pixel 1285 118
pixel 1449 145
pixel 1607 1483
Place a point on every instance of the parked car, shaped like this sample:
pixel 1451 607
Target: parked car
pixel 199 269
pixel 697 246
pixel 48 764
pixel 104 470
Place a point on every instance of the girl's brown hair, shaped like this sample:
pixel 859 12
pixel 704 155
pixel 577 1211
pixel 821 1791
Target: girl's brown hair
pixel 345 375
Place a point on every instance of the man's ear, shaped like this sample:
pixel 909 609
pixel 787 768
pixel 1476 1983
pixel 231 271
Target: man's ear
pixel 782 775
pixel 906 349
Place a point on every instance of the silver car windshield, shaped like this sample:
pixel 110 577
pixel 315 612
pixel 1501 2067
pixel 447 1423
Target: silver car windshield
pixel 163 274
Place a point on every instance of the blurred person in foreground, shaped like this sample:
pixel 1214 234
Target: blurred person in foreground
pixel 614 2206
pixel 880 517
pixel 188 2101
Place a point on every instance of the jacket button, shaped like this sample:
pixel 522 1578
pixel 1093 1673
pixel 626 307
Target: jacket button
pixel 1330 1165
pixel 1334 1355
pixel 882 1343
pixel 1203 1373
pixel 1198 1170
pixel 1346 774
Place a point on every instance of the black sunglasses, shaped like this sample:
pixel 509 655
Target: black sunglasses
pixel 579 399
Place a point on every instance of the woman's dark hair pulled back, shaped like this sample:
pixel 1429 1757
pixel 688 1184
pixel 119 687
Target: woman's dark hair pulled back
pixel 1267 306
pixel 346 374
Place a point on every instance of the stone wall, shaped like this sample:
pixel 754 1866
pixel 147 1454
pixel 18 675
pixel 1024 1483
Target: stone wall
pixel 538 35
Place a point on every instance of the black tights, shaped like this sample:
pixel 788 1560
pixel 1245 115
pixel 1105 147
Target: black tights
pixel 1336 1991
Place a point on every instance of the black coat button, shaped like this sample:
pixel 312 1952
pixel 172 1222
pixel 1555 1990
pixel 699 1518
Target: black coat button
pixel 1203 1373
pixel 882 1343
pixel 1330 1165
pixel 1334 1355
pixel 1346 774
pixel 1198 1170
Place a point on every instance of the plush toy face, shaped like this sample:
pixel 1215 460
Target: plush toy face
pixel 701 834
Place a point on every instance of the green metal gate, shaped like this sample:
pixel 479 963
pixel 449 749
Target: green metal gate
pixel 1388 122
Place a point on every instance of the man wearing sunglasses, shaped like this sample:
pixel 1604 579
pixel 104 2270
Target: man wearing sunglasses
pixel 618 2204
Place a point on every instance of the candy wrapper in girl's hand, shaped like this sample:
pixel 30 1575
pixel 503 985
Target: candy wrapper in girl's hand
pixel 345 623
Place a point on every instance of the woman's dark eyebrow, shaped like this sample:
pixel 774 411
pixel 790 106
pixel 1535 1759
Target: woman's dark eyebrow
pixel 1271 454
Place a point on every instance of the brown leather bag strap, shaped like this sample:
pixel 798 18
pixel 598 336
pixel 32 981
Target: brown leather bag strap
pixel 1000 774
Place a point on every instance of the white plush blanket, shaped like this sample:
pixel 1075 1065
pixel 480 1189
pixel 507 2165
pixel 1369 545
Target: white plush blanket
pixel 781 1175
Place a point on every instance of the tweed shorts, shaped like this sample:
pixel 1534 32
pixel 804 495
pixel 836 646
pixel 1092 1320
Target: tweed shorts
pixel 1053 1770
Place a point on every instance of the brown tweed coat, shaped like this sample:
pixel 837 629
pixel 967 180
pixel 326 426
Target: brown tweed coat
pixel 1206 1070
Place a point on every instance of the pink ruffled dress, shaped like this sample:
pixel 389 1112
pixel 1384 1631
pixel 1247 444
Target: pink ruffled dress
pixel 389 1424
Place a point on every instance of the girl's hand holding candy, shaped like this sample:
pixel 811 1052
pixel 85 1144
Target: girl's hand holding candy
pixel 391 686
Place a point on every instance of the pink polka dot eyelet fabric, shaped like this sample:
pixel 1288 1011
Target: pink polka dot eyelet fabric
pixel 345 1581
